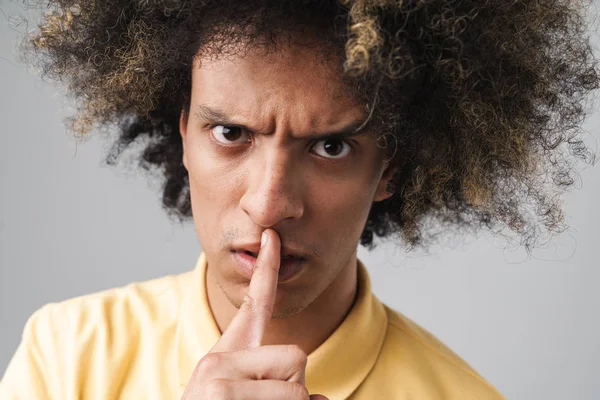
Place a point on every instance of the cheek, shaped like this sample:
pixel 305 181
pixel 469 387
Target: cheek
pixel 212 186
pixel 210 177
pixel 344 206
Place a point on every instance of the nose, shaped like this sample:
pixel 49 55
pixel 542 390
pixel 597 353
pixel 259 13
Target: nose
pixel 273 189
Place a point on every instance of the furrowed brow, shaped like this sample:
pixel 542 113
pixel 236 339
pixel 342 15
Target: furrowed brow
pixel 216 116
pixel 354 128
pixel 213 115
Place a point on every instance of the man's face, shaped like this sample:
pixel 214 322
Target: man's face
pixel 315 193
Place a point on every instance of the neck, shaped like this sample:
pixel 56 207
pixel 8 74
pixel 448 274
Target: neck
pixel 322 316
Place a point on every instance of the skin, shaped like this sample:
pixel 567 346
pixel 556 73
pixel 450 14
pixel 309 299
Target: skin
pixel 276 175
pixel 239 366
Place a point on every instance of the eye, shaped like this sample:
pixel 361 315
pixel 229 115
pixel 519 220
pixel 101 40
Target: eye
pixel 229 134
pixel 332 148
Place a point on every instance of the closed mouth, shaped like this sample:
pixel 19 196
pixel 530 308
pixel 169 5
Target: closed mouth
pixel 285 257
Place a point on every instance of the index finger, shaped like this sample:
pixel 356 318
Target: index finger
pixel 247 328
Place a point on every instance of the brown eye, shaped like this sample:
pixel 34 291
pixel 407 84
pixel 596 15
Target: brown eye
pixel 332 148
pixel 229 134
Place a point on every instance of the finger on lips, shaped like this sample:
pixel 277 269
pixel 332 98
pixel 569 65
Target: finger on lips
pixel 247 328
pixel 239 366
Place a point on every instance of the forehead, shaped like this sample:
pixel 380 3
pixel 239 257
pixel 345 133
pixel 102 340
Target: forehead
pixel 294 84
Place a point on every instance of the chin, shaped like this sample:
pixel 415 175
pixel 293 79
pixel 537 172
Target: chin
pixel 281 309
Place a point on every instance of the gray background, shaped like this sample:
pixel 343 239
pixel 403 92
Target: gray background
pixel 71 226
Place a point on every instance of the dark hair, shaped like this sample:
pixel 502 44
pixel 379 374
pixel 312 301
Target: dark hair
pixel 479 103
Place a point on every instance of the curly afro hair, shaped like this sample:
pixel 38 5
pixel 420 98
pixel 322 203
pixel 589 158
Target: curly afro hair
pixel 478 102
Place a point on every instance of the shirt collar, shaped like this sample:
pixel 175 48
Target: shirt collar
pixel 336 368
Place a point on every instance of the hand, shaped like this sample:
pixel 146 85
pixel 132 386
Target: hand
pixel 239 366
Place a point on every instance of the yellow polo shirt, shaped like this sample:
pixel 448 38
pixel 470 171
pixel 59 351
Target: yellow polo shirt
pixel 142 341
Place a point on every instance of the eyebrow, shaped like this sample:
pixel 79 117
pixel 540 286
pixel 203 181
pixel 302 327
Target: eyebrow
pixel 216 116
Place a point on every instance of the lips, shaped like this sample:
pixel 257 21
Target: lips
pixel 289 267
pixel 253 248
pixel 285 257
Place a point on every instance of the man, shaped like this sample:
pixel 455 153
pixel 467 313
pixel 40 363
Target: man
pixel 291 132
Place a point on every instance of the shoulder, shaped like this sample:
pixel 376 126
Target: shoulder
pixel 402 329
pixel 127 307
pixel 452 374
pixel 107 325
pixel 421 366
pixel 68 344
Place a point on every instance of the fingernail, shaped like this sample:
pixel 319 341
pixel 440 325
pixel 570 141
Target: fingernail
pixel 263 238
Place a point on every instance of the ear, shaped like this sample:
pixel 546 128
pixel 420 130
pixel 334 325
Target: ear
pixel 183 122
pixel 381 192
